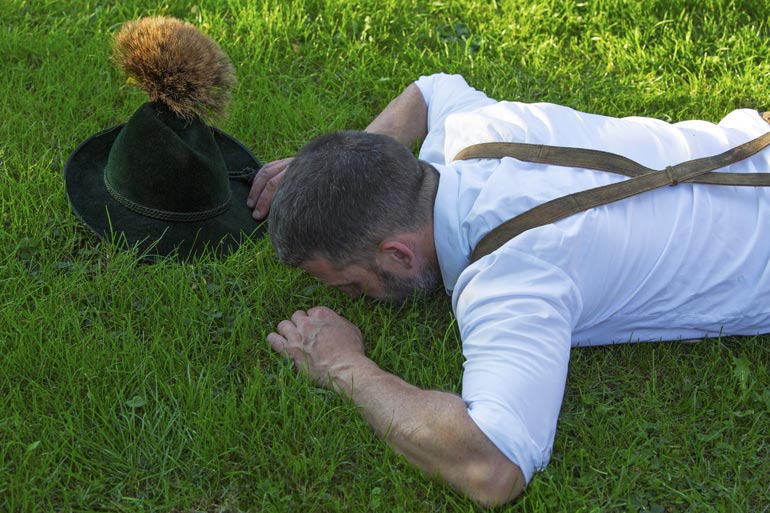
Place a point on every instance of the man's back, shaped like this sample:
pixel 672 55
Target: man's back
pixel 679 262
pixel 663 265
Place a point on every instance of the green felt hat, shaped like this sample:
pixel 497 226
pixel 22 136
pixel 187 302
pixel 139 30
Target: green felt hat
pixel 165 181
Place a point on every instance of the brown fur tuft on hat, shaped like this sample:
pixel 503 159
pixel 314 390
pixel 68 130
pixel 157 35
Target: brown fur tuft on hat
pixel 177 65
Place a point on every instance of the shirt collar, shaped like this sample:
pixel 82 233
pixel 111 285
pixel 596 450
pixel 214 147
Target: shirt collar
pixel 453 255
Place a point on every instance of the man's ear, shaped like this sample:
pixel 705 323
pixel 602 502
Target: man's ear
pixel 395 255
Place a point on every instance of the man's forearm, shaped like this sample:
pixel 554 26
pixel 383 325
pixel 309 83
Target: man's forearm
pixel 433 431
pixel 405 118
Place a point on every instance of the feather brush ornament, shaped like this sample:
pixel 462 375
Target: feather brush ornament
pixel 177 65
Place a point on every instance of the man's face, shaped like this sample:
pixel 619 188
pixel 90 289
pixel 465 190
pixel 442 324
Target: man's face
pixel 375 282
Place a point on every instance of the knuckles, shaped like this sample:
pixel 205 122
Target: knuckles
pixel 321 312
pixel 284 326
pixel 272 184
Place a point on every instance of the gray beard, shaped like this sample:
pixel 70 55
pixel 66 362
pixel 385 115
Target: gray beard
pixel 399 289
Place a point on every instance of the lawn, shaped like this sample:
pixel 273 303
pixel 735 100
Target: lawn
pixel 133 387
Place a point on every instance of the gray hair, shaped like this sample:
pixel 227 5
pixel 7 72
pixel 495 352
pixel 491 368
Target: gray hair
pixel 344 193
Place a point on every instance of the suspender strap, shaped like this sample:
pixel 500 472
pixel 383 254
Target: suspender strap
pixel 598 161
pixel 642 179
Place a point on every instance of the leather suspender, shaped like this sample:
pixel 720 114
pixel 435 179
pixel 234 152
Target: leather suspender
pixel 642 179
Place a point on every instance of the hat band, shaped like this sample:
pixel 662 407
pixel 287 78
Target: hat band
pixel 164 215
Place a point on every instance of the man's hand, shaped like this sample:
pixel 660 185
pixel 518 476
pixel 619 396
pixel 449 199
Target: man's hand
pixel 264 185
pixel 405 119
pixel 321 343
pixel 432 429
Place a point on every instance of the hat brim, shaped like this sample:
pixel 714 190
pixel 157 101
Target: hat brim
pixel 108 219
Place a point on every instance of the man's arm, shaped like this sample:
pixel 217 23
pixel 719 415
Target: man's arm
pixel 405 119
pixel 430 428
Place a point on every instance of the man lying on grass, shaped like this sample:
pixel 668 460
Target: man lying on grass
pixel 359 212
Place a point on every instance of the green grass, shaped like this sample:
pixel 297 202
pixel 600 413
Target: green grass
pixel 133 387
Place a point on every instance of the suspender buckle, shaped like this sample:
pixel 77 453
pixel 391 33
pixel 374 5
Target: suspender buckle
pixel 671 175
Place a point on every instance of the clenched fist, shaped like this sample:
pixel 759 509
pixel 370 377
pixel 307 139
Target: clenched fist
pixel 321 343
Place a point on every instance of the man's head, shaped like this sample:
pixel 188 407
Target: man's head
pixel 357 201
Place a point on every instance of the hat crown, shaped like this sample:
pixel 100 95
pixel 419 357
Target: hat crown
pixel 164 167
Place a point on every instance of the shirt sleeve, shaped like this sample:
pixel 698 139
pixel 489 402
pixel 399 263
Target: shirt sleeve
pixel 445 95
pixel 515 313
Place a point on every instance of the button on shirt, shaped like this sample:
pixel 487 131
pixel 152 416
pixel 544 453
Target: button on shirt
pixel 680 262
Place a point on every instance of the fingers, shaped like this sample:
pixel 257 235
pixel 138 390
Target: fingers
pixel 319 342
pixel 287 334
pixel 278 343
pixel 285 341
pixel 321 312
pixel 264 185
pixel 297 317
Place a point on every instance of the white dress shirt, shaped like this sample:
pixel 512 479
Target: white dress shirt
pixel 688 261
